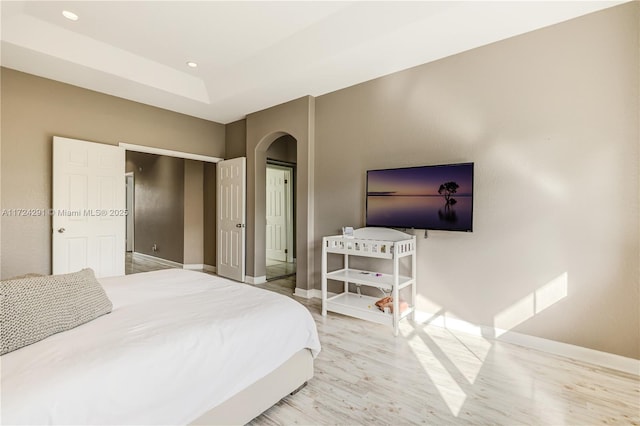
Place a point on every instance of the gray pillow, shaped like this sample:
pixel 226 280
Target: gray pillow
pixel 34 308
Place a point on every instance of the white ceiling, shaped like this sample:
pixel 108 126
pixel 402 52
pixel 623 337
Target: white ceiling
pixel 251 55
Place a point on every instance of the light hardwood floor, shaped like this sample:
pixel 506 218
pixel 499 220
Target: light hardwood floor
pixel 430 375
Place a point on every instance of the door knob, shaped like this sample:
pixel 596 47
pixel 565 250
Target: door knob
pixel 240 225
pixel 61 230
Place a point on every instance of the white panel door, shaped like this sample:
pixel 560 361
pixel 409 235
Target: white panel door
pixel 276 214
pixel 231 175
pixel 89 209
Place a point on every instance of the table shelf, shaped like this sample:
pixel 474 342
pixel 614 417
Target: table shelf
pixel 369 278
pixel 379 243
pixel 363 307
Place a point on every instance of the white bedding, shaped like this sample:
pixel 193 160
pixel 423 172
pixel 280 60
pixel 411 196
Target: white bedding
pixel 176 344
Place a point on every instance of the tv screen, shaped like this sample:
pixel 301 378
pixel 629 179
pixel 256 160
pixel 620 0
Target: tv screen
pixel 428 197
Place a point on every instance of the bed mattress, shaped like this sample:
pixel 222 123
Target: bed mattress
pixel 176 344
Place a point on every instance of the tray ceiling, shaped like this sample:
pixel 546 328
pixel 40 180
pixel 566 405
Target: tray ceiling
pixel 251 55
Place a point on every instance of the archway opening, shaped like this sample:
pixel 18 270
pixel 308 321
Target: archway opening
pixel 277 243
pixel 280 211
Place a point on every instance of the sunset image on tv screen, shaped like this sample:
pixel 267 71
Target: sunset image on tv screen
pixel 428 197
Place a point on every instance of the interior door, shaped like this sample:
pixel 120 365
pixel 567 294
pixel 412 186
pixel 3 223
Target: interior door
pixel 88 207
pixel 276 214
pixel 231 175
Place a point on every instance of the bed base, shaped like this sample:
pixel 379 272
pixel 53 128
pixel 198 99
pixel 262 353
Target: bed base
pixel 243 407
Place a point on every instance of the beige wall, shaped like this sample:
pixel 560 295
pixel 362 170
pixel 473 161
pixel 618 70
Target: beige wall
pixel 551 120
pixel 1 205
pixel 295 118
pixel 33 111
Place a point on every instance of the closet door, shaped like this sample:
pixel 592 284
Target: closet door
pixel 89 207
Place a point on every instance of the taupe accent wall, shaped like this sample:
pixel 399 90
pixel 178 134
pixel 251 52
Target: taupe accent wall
pixel 551 121
pixel 209 189
pixel 236 139
pixel 283 149
pixel 159 204
pixel 193 213
pixel 35 109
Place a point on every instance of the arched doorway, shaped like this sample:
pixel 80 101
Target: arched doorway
pixel 295 118
pixel 280 254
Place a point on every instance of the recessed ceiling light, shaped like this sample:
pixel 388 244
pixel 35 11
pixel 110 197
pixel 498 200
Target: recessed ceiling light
pixel 70 15
pixel 192 64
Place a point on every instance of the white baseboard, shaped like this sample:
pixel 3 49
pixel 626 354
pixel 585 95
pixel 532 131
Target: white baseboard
pixel 310 294
pixel 194 266
pixel 592 356
pixel 255 280
pixel 158 259
pixel 209 268
pixel 307 294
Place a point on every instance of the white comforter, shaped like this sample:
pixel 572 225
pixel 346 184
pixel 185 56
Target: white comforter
pixel 177 344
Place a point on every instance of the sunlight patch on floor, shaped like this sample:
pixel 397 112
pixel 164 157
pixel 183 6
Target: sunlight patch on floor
pixel 472 347
pixel 452 394
pixel 471 354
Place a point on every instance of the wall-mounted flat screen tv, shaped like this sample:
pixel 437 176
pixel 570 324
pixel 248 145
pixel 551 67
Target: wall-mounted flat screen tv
pixel 428 197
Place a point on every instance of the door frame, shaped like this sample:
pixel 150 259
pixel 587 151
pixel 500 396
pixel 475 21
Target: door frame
pixel 152 150
pixel 130 222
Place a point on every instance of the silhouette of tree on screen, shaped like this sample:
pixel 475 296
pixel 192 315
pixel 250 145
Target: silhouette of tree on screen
pixel 447 189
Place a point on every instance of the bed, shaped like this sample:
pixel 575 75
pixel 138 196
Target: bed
pixel 179 347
